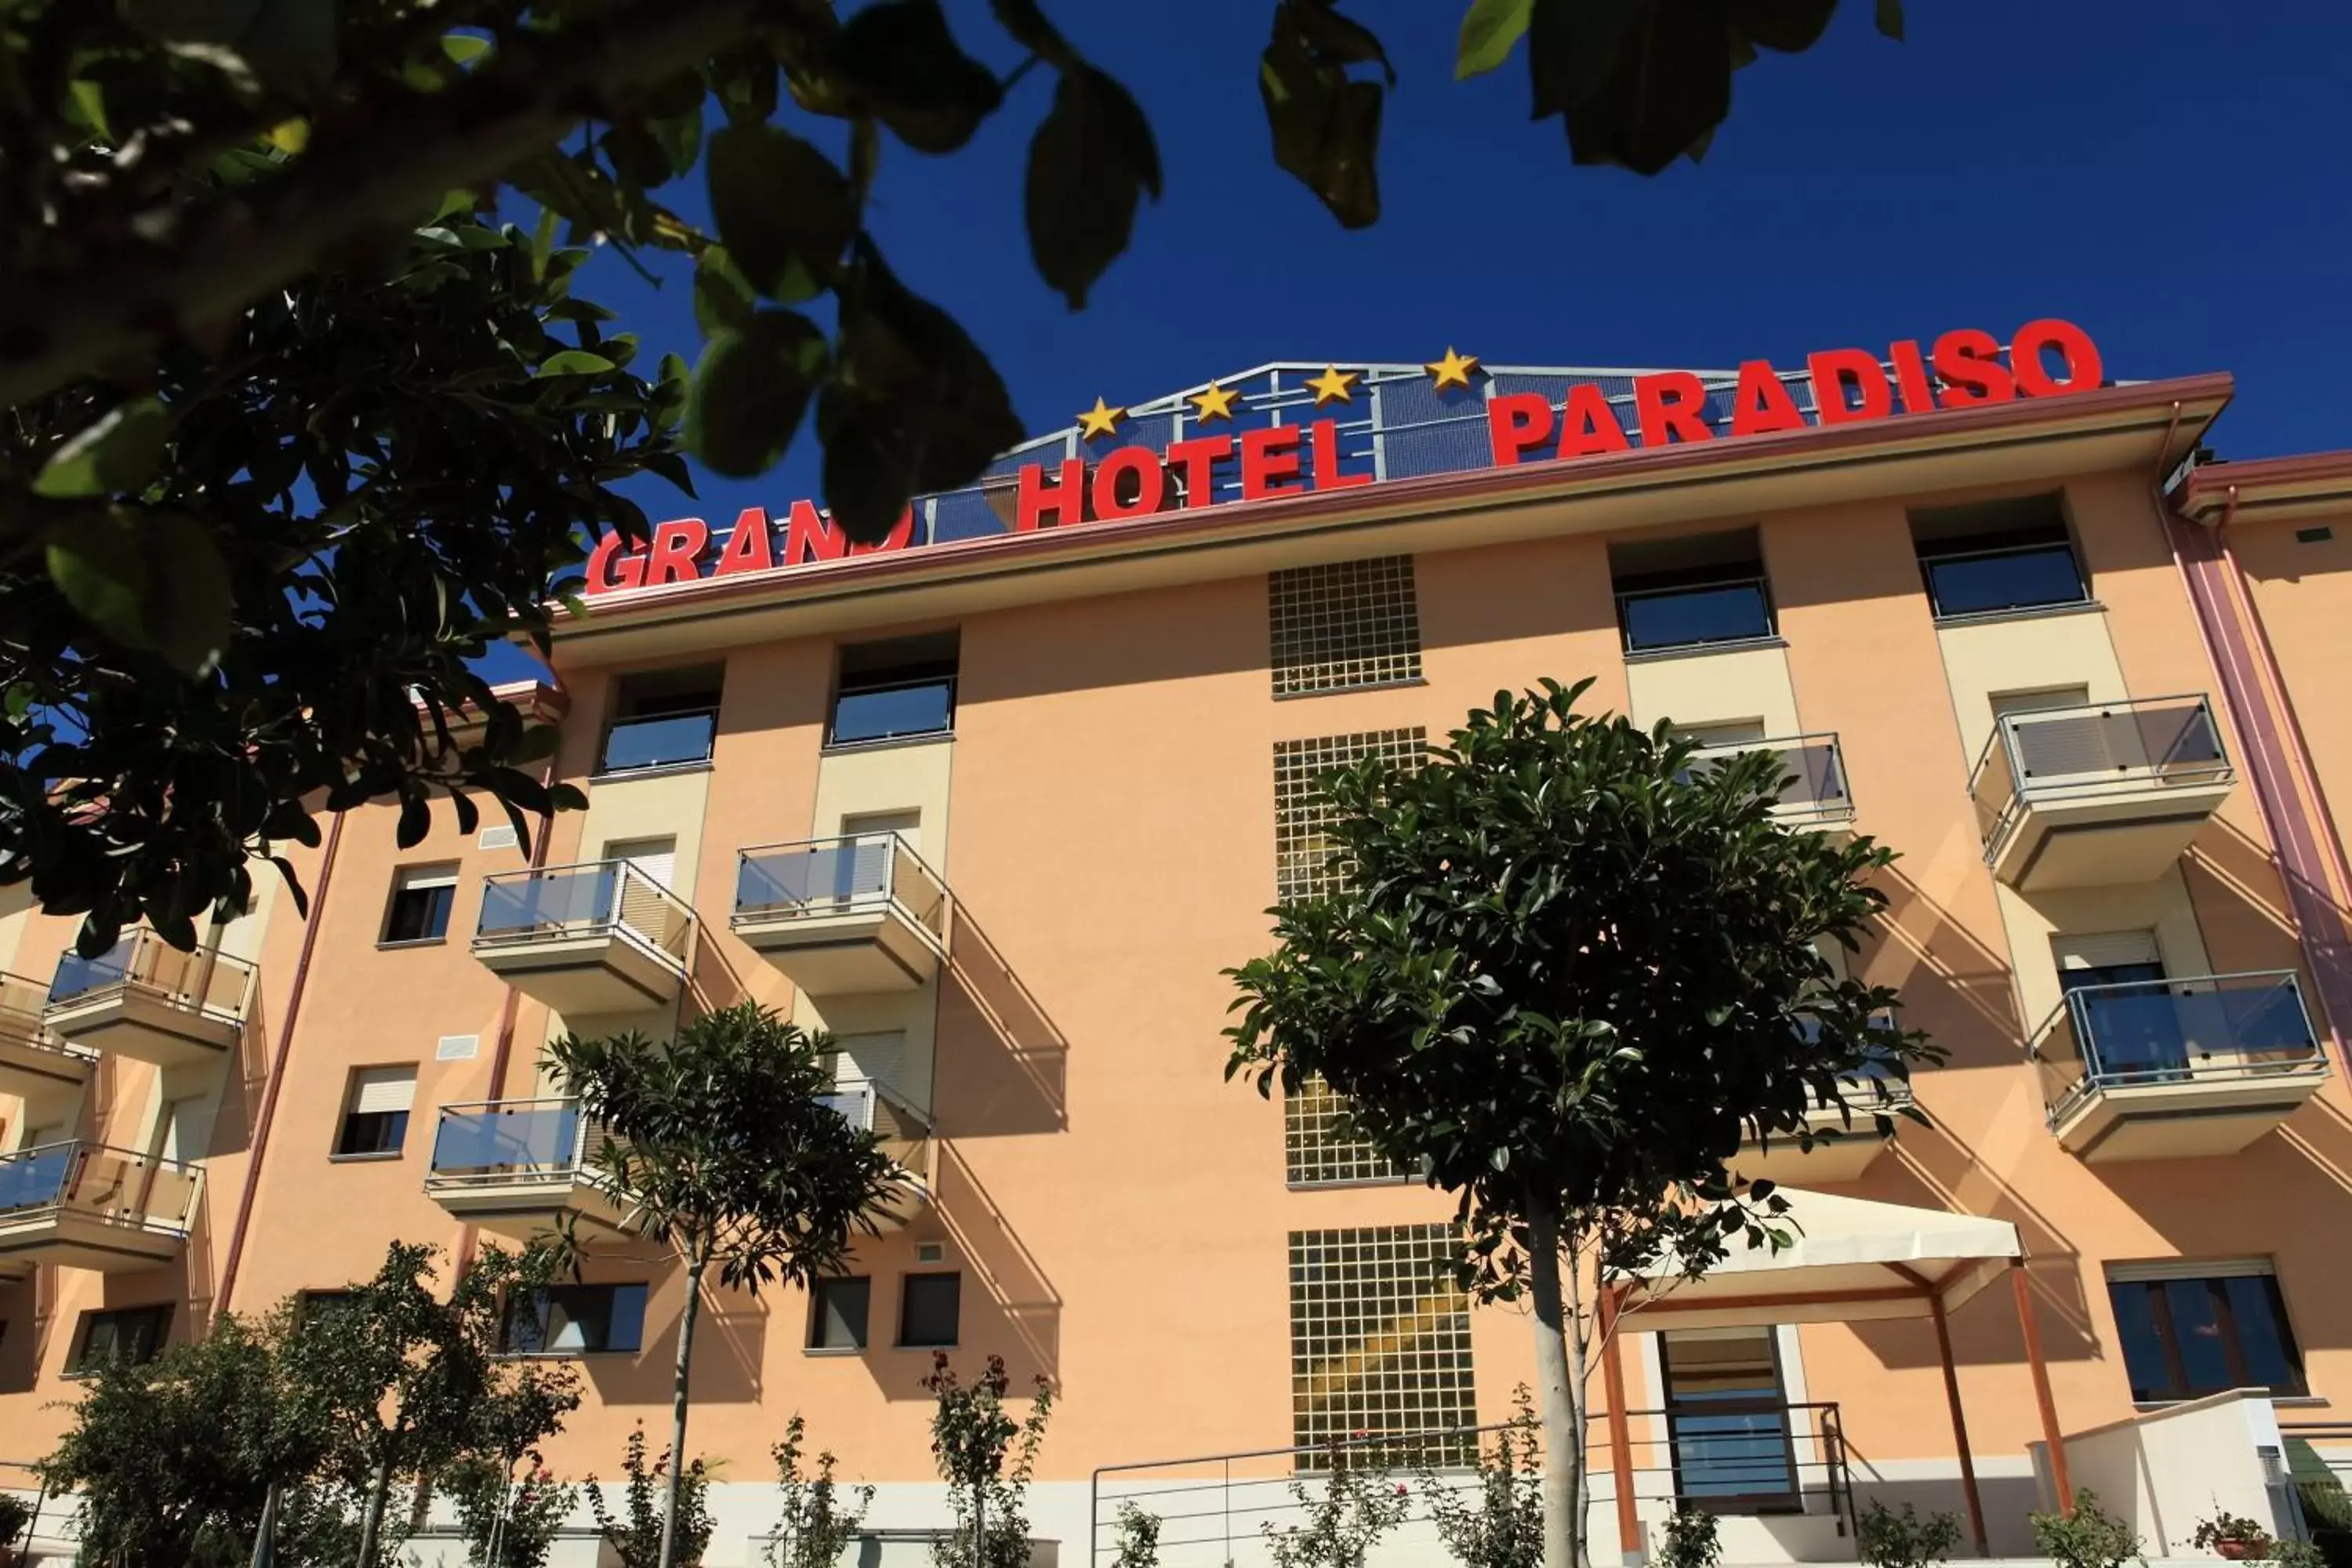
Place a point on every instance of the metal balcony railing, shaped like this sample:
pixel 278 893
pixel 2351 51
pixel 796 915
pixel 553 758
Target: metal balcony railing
pixel 22 1002
pixel 595 898
pixel 94 1181
pixel 2054 756
pixel 1694 615
pixel 839 876
pixel 659 741
pixel 205 980
pixel 501 1142
pixel 1815 791
pixel 2206 1028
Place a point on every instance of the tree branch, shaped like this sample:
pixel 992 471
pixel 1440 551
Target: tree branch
pixel 56 329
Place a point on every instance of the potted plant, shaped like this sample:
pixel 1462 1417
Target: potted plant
pixel 2233 1536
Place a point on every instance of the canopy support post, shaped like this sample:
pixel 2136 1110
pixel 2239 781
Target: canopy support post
pixel 1630 1546
pixel 2049 1435
pixel 1959 1424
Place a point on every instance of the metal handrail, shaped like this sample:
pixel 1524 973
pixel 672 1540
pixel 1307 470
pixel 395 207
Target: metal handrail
pixel 2075 1016
pixel 144 962
pixel 77 1162
pixel 633 905
pixel 926 909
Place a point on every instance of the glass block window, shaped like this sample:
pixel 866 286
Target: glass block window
pixel 1351 623
pixel 1379 1338
pixel 1302 812
pixel 1320 1148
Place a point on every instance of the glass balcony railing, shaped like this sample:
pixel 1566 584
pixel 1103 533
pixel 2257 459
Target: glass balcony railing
pixel 505 1140
pixel 2205 1029
pixel 659 741
pixel 1814 790
pixel 206 981
pixel 25 1039
pixel 840 877
pixel 1731 610
pixel 2056 757
pixel 597 897
pixel 93 1181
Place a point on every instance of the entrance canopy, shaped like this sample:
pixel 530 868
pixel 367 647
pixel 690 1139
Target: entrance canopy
pixel 1848 1259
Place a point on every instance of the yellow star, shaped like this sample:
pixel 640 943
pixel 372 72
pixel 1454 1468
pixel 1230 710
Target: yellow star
pixel 1217 403
pixel 1099 420
pixel 1332 386
pixel 1453 370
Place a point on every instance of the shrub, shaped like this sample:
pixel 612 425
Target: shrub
pixel 972 1435
pixel 1360 1503
pixel 1138 1538
pixel 15 1514
pixel 637 1540
pixel 821 1519
pixel 1693 1541
pixel 2090 1537
pixel 2235 1529
pixel 1503 1527
pixel 510 1524
pixel 1890 1539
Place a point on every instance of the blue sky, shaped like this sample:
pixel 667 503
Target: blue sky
pixel 2173 181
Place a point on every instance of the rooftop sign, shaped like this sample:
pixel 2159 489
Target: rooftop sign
pixel 1277 431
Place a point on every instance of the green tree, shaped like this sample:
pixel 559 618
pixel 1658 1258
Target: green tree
pixel 1568 973
pixel 509 1519
pixel 733 1160
pixel 1500 1523
pixel 408 1386
pixel 296 426
pixel 820 1517
pixel 973 1436
pixel 663 1512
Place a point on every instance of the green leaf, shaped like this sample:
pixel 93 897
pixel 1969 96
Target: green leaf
pixel 1026 21
pixel 87 99
pixel 1668 86
pixel 784 211
pixel 751 391
pixel 289 43
pixel 899 59
pixel 723 297
pixel 574 361
pixel 120 452
pixel 744 77
pixel 1092 159
pixel 1490 31
pixel 679 136
pixel 152 581
pixel 1890 18
pixel 1789 27
pixel 464 48
pixel 1325 125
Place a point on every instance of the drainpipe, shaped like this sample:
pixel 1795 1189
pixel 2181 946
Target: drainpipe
pixel 277 1067
pixel 2276 768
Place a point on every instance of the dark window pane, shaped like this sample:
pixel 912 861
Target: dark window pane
pixel 659 741
pixel 2144 1360
pixel 877 713
pixel 372 1132
pixel 2006 580
pixel 129 1335
pixel 2264 1343
pixel 577 1319
pixel 839 1318
pixel 2197 1331
pixel 420 914
pixel 928 1316
pixel 1713 613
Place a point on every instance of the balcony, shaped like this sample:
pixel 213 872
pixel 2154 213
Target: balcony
pixel 520 1168
pixel 843 916
pixel 2097 795
pixel 85 1206
pixel 602 937
pixel 1816 793
pixel 659 741
pixel 35 1063
pixel 147 1000
pixel 1850 1139
pixel 906 1138
pixel 2160 1070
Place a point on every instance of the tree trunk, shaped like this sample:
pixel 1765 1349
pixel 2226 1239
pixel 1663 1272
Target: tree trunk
pixel 695 1267
pixel 372 1522
pixel 1559 1393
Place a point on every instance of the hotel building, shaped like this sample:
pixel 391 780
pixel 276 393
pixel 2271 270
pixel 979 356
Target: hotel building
pixel 996 804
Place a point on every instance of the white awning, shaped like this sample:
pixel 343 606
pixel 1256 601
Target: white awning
pixel 1848 1259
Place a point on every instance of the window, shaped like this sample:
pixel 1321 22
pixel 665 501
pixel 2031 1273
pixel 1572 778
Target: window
pixel 1691 590
pixel 421 899
pixel 1728 1418
pixel 129 1335
pixel 1320 1147
pixel 2006 555
pixel 1303 867
pixel 577 1320
pixel 838 1309
pixel 1380 1335
pixel 891 690
pixel 1349 624
pixel 929 1305
pixel 2319 535
pixel 2190 1329
pixel 316 1306
pixel 375 1111
pixel 661 718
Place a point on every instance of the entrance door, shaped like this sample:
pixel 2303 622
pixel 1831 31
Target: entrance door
pixel 1727 1421
pixel 2126 1020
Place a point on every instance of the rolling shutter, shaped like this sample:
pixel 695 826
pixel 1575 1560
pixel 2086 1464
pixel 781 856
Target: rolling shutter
pixel 376 1090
